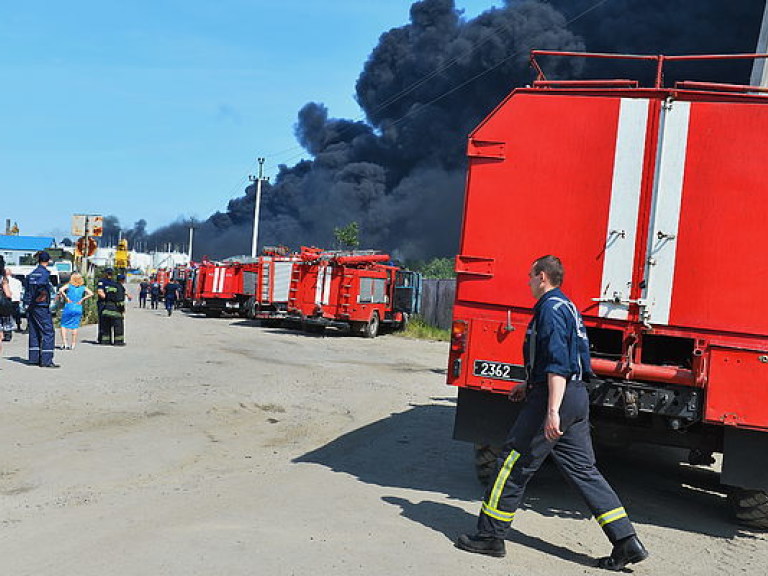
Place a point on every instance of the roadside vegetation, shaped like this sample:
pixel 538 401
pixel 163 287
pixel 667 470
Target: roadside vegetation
pixel 420 330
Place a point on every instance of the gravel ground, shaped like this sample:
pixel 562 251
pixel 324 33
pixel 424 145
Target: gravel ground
pixel 217 447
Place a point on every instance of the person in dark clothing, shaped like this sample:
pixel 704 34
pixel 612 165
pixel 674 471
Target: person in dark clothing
pixel 554 420
pixel 112 298
pixel 143 292
pixel 154 292
pixel 171 294
pixel 37 299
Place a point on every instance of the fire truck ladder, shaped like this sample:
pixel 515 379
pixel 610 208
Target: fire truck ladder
pixel 345 295
pixel 294 289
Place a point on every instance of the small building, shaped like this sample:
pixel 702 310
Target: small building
pixel 14 248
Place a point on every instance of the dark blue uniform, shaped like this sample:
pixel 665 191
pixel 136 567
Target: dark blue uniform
pixel 37 299
pixel 171 293
pixel 556 342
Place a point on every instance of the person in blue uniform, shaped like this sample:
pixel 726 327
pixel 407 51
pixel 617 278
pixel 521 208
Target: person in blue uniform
pixel 554 420
pixel 171 290
pixel 112 300
pixel 37 299
pixel 154 292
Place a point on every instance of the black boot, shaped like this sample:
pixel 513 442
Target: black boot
pixel 626 551
pixel 480 544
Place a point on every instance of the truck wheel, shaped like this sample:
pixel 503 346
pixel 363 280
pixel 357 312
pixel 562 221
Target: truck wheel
pixel 485 462
pixel 750 507
pixel 250 308
pixel 372 328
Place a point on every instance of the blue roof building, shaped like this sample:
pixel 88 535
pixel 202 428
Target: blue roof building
pixel 13 248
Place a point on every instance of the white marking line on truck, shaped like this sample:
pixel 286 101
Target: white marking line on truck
pixel 625 201
pixel 665 214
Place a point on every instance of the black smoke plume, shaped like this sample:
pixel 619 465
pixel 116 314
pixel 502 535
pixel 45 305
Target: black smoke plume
pixel 400 173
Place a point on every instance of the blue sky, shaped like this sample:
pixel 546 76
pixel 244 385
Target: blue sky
pixel 157 109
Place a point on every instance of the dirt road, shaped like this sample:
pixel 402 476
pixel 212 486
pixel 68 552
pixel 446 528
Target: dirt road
pixel 215 447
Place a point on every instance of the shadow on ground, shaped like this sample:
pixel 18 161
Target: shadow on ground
pixel 414 450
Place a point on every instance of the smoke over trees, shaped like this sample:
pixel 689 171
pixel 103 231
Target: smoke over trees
pixel 400 174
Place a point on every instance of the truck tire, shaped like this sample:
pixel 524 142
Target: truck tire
pixel 750 507
pixel 485 462
pixel 371 329
pixel 250 308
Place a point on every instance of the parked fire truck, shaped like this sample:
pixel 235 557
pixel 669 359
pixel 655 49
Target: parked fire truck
pixel 265 287
pixel 654 198
pixel 352 290
pixel 215 287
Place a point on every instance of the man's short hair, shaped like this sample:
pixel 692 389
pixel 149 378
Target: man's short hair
pixel 552 267
pixel 43 256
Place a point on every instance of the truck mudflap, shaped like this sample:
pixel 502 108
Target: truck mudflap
pixel 744 458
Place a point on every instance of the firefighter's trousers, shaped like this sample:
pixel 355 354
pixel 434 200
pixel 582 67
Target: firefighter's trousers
pixel 111 327
pixel 42 337
pixel 525 450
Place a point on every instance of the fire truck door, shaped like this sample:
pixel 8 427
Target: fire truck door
pixel 665 212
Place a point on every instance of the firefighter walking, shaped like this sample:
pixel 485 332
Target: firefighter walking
pixel 554 419
pixel 111 308
pixel 37 299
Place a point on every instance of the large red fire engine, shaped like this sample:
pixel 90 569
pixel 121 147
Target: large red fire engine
pixel 654 199
pixel 352 290
pixel 215 287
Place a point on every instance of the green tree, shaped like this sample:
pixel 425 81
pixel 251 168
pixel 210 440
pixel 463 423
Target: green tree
pixel 435 268
pixel 347 236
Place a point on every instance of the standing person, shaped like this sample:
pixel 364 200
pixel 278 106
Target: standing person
pixel 143 292
pixel 171 293
pixel 16 289
pixel 106 276
pixel 554 419
pixel 74 294
pixel 6 310
pixel 37 299
pixel 112 296
pixel 154 293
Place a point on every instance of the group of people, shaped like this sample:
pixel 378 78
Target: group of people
pixel 170 293
pixel 38 296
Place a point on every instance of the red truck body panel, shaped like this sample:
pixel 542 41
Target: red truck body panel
pixel 654 200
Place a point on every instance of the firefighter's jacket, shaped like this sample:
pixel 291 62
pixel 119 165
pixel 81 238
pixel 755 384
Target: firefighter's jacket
pixel 113 303
pixel 556 341
pixel 37 293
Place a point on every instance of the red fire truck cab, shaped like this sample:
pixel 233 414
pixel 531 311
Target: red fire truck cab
pixel 352 290
pixel 654 200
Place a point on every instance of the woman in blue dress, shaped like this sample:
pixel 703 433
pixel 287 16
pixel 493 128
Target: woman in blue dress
pixel 74 293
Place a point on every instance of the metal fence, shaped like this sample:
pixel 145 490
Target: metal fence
pixel 437 301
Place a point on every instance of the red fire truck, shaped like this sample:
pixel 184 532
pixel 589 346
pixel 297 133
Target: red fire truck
pixel 352 290
pixel 654 199
pixel 215 288
pixel 266 285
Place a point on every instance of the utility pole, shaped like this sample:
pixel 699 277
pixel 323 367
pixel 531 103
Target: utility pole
pixel 84 257
pixel 258 181
pixel 191 235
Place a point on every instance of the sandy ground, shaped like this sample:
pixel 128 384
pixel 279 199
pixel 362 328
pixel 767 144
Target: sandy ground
pixel 216 447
